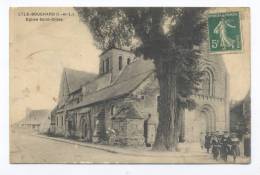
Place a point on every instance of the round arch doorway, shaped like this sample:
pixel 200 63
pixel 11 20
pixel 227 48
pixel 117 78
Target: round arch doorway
pixel 203 122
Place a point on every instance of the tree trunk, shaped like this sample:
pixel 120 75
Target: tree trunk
pixel 182 125
pixel 168 130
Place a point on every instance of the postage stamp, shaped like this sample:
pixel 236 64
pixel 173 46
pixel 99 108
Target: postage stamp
pixel 224 32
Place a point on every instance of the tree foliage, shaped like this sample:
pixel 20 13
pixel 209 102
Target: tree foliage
pixel 169 36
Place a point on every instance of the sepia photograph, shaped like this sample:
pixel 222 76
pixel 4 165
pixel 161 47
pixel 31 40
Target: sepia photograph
pixel 130 85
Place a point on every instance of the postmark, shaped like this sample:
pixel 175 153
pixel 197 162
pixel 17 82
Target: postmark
pixel 224 32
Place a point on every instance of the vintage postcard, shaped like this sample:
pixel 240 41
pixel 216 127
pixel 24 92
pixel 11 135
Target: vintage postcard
pixel 130 85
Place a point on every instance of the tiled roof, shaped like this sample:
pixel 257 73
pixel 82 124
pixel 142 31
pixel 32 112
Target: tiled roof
pixel 138 67
pixel 77 78
pixel 123 50
pixel 132 76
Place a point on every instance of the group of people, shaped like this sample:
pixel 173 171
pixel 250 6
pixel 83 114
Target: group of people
pixel 221 145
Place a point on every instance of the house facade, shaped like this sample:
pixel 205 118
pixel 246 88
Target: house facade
pixel 120 104
pixel 38 120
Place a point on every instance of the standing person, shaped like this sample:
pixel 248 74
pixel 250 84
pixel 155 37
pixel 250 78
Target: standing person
pixel 235 151
pixel 226 143
pixel 146 130
pixel 202 140
pixel 215 146
pixel 219 135
pixel 207 141
pixel 247 144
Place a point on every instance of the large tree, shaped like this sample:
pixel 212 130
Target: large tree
pixel 171 38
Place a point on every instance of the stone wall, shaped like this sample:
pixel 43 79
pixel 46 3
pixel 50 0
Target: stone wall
pixel 128 132
pixel 113 56
pixel 217 113
pixel 216 103
pixel 145 100
pixel 146 96
pixel 135 130
pixel 147 104
pixel 59 128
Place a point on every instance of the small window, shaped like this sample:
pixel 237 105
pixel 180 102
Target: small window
pixel 128 61
pixel 142 97
pixel 57 121
pixel 62 121
pixel 107 65
pixel 104 67
pixel 112 110
pixel 120 62
pixel 158 102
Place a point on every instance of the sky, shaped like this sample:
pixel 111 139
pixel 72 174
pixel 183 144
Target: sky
pixel 40 50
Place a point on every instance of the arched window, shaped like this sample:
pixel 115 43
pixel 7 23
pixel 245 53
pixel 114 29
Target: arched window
pixel 120 62
pixel 207 83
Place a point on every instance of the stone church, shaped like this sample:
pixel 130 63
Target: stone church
pixel 120 104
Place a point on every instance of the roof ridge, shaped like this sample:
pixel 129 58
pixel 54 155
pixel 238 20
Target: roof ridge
pixel 124 50
pixel 76 78
pixel 66 68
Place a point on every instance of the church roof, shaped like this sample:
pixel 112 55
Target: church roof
pixel 122 50
pixel 135 69
pixel 76 79
pixel 132 76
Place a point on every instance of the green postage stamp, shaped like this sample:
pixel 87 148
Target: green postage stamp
pixel 224 32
